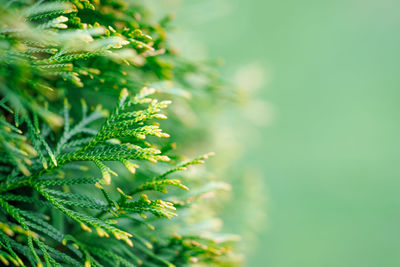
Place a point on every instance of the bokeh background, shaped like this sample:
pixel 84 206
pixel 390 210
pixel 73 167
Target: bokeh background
pixel 328 152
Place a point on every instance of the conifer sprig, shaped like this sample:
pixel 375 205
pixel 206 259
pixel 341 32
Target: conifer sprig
pixel 59 205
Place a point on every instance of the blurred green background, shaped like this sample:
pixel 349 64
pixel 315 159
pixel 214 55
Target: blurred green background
pixel 329 158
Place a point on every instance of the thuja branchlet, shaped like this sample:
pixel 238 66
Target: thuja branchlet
pixel 85 165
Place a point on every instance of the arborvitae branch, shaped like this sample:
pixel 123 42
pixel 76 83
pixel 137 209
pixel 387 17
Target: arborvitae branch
pixel 59 205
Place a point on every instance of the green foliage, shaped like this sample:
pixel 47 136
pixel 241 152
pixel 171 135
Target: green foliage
pixel 63 66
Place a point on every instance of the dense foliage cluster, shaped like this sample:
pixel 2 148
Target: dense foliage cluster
pixel 84 85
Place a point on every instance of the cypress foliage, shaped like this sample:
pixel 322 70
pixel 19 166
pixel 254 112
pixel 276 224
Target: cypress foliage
pixel 85 164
